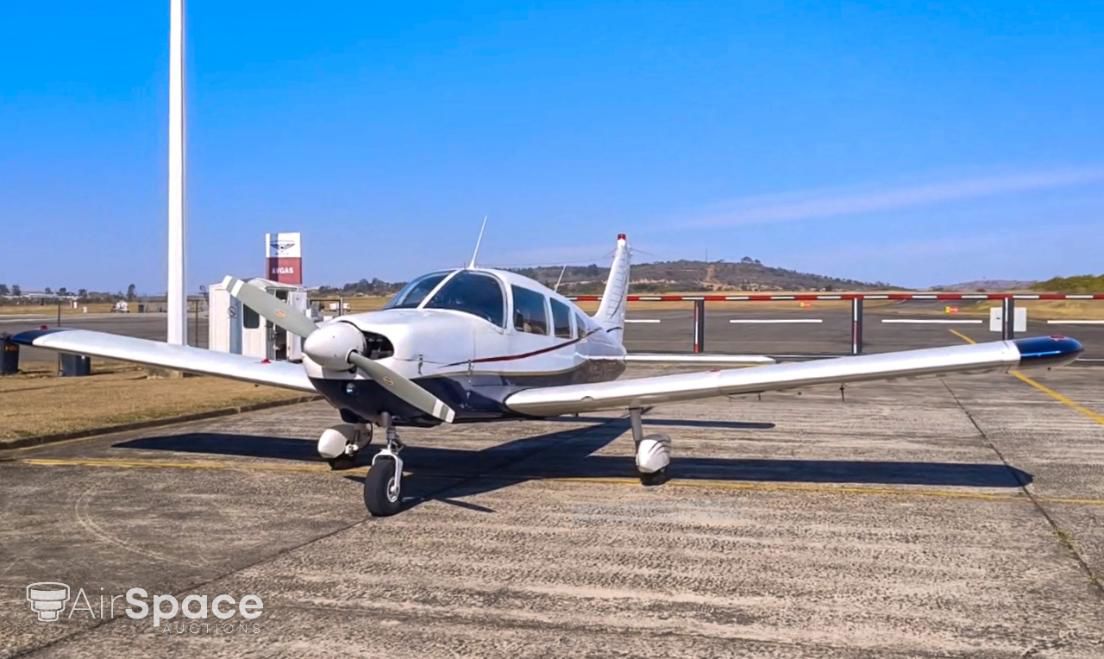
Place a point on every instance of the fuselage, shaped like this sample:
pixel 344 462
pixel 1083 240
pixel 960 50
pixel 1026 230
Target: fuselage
pixel 472 337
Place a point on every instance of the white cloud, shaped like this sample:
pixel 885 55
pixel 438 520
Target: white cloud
pixel 824 203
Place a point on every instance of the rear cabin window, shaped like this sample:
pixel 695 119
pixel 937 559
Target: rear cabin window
pixel 561 319
pixel 580 325
pixel 474 293
pixel 530 314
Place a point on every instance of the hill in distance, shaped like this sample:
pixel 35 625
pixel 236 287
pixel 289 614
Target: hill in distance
pixel 1074 284
pixel 745 275
pixel 983 285
pixel 664 276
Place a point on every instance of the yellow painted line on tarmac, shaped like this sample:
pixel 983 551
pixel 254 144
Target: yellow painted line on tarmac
pixel 1060 397
pixel 209 465
pixel 1056 395
pixel 807 488
pixel 815 488
pixel 962 336
pixel 711 484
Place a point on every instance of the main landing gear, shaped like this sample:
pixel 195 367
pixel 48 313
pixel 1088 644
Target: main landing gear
pixel 383 485
pixel 653 452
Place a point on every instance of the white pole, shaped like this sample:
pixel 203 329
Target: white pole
pixel 178 298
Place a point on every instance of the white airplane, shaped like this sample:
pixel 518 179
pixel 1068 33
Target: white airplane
pixel 476 344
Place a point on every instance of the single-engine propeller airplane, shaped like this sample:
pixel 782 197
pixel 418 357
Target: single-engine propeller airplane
pixel 477 344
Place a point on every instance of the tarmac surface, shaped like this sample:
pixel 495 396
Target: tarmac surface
pixel 918 518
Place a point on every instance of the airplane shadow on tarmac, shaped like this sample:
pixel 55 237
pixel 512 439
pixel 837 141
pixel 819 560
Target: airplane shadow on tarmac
pixel 445 474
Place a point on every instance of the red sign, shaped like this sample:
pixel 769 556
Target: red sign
pixel 285 270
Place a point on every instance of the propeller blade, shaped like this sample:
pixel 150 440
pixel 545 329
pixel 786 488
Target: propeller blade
pixel 272 309
pixel 406 389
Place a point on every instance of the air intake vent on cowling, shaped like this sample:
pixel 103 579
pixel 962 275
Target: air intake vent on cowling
pixel 377 346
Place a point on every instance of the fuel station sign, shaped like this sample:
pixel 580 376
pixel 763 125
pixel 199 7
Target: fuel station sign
pixel 284 257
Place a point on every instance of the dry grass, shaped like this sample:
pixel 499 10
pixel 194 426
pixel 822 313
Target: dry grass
pixel 1056 309
pixel 37 403
pixel 366 303
pixel 797 306
pixel 51 309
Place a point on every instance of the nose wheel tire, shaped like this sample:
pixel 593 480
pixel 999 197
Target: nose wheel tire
pixel 654 478
pixel 382 490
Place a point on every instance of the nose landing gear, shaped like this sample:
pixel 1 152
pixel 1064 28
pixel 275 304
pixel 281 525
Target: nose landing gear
pixel 383 485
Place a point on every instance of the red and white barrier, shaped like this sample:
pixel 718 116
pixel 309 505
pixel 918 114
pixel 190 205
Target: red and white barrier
pixel 770 297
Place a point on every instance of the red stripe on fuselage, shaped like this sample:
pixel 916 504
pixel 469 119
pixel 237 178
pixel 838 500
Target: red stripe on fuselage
pixel 506 358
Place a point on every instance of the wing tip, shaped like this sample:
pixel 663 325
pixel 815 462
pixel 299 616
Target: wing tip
pixel 28 338
pixel 1047 350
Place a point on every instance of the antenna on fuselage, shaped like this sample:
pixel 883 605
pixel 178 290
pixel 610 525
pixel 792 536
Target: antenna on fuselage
pixel 556 288
pixel 478 241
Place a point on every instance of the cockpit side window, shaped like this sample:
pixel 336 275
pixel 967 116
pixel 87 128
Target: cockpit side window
pixel 530 312
pixel 413 293
pixel 474 293
pixel 561 319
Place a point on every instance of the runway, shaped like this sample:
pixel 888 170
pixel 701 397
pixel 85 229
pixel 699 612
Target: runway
pixel 937 517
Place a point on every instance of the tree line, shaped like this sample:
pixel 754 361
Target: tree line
pixel 81 294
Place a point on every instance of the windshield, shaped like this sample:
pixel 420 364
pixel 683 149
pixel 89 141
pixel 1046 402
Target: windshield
pixel 413 293
pixel 474 293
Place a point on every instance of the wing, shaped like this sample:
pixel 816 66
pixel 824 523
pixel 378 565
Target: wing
pixel 697 359
pixel 180 358
pixel 643 392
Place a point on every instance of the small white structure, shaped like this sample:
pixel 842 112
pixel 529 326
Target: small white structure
pixel 238 329
pixel 120 307
pixel 996 319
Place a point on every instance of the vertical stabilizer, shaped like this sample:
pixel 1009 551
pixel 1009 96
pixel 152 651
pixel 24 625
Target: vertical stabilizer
pixel 611 312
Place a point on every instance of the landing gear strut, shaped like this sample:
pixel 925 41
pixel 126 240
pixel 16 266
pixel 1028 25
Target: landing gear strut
pixel 653 452
pixel 383 485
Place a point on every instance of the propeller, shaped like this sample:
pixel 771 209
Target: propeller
pixel 338 346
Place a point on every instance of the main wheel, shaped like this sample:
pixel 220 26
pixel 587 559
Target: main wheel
pixel 382 495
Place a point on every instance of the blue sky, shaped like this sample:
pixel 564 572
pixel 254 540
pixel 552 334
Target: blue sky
pixel 890 141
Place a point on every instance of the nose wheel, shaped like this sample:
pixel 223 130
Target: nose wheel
pixel 383 484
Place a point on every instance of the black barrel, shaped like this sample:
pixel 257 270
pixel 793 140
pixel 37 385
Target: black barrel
pixel 9 355
pixel 70 365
